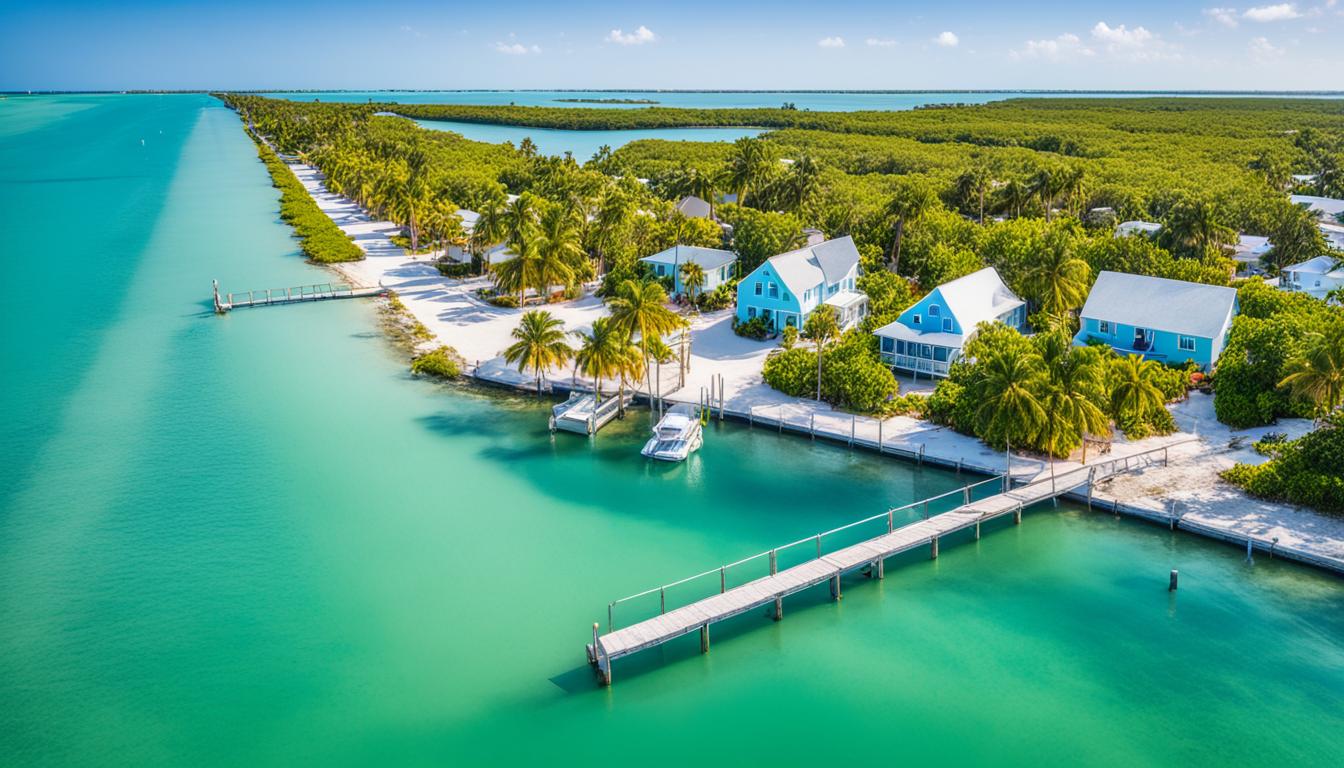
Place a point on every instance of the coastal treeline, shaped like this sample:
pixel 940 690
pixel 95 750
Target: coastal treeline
pixel 319 238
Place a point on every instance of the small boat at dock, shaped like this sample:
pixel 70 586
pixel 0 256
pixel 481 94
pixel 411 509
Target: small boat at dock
pixel 676 435
pixel 582 413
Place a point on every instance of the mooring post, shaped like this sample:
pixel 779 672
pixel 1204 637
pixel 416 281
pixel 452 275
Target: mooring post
pixel 704 638
pixel 609 607
pixel 818 545
pixel 1017 515
pixel 774 562
pixel 1250 558
pixel 933 548
pixel 891 520
pixel 1091 477
pixel 1171 585
pixel 812 426
pixel 662 600
pixel 881 569
pixel 214 285
pixel 977 530
pixel 853 421
pixel 779 420
pixel 723 580
pixel 966 495
pixel 879 435
pixel 835 587
pixel 720 398
pixel 926 509
pixel 921 454
pixel 595 650
pixel 779 608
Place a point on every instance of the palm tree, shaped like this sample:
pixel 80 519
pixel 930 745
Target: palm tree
pixel 559 250
pixel 489 229
pixel 1318 375
pixel 1014 196
pixel 614 214
pixel 638 308
pixel 604 352
pixel 821 327
pixel 1045 183
pixel 660 353
pixel 1133 393
pixel 521 272
pixel 912 201
pixel 1075 389
pixel 749 163
pixel 801 183
pixel 1191 229
pixel 1073 185
pixel 972 186
pixel 540 344
pixel 1009 410
pixel 692 279
pixel 1059 280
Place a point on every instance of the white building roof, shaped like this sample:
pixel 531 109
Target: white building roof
pixel 1161 304
pixel 898 330
pixel 1137 227
pixel 978 297
pixel 826 262
pixel 693 207
pixel 1318 266
pixel 469 219
pixel 1327 205
pixel 1251 247
pixel 707 258
pixel 846 299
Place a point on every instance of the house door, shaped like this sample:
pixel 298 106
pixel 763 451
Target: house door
pixel 1143 339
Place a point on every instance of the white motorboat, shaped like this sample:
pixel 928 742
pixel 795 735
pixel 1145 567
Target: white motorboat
pixel 676 434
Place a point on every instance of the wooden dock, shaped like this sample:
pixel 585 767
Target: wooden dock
pixel 771 589
pixel 294 295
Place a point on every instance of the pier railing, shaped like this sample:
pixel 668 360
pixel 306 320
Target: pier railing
pixel 727 576
pixel 314 292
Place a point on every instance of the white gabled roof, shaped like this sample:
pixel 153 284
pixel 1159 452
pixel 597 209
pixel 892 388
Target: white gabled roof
pixel 693 207
pixel 1135 227
pixel 1318 266
pixel 978 297
pixel 469 218
pixel 826 262
pixel 1327 205
pixel 1160 304
pixel 707 258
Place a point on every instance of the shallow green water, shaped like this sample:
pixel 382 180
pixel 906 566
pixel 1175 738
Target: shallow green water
pixel 254 540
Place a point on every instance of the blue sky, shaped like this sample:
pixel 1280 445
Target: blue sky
pixel 689 44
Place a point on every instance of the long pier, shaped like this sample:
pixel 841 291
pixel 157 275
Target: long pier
pixel 294 295
pixel 871 553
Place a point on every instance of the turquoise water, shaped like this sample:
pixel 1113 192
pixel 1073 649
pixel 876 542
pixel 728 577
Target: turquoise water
pixel 254 540
pixel 830 101
pixel 582 144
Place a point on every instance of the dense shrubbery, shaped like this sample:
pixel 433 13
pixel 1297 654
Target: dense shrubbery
pixel 440 363
pixel 319 237
pixel 852 376
pixel 1265 338
pixel 722 297
pixel 1307 471
pixel 755 328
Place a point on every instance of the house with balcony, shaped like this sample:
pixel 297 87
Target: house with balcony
pixel 1315 277
pixel 929 336
pixel 787 288
pixel 717 264
pixel 1170 321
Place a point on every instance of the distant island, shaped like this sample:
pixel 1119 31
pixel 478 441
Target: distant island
pixel 608 101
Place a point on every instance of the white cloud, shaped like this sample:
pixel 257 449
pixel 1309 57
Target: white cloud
pixel 874 42
pixel 1225 16
pixel 1263 50
pixel 1267 13
pixel 1065 46
pixel 516 49
pixel 947 40
pixel 831 42
pixel 1121 36
pixel 640 36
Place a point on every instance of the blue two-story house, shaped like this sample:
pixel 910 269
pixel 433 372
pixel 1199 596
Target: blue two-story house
pixel 930 335
pixel 785 289
pixel 1170 321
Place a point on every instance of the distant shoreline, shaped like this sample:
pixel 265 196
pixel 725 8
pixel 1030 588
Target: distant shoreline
pixel 921 91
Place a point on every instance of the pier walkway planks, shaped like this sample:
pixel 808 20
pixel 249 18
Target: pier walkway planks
pixel 830 566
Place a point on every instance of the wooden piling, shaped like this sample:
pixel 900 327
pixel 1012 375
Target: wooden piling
pixel 1017 515
pixel 779 608
pixel 1171 585
pixel 881 568
pixel 933 548
pixel 704 638
pixel 835 587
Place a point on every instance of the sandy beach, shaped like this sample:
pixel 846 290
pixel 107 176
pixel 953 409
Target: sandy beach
pixel 1187 487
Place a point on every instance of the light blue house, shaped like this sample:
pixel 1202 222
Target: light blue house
pixel 718 265
pixel 785 289
pixel 1170 321
pixel 930 335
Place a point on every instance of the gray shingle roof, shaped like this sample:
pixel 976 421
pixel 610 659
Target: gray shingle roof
pixel 1160 304
pixel 826 262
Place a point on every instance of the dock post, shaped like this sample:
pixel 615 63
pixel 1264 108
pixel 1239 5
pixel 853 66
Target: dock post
pixel 933 548
pixel 720 398
pixel 774 562
pixel 966 495
pixel 1171 585
pixel 704 639
pixel 1017 515
pixel 926 509
pixel 835 587
pixel 779 420
pixel 977 530
pixel 852 423
pixel 881 569
pixel 812 426
pixel 723 580
pixel 1091 477
pixel 214 284
pixel 879 435
pixel 779 608
pixel 921 454
pixel 662 600
pixel 891 520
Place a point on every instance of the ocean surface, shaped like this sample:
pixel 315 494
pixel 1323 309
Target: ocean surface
pixel 825 101
pixel 255 540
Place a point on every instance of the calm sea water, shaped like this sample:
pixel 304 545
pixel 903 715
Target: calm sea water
pixel 254 540
pixel 832 101
pixel 582 144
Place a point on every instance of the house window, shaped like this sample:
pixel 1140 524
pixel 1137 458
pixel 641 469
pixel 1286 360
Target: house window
pixel 786 296
pixel 758 289
pixel 792 321
pixel 751 312
pixel 887 344
pixel 660 270
pixel 1186 343
pixel 933 310
pixel 1103 327
pixel 940 354
pixel 947 324
pixel 774 291
pixel 916 319
pixel 900 347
